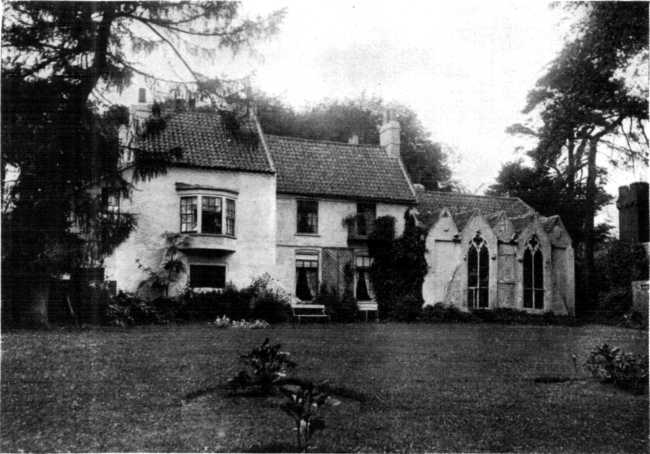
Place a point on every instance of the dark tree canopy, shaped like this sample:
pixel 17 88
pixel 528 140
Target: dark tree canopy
pixel 425 160
pixel 548 195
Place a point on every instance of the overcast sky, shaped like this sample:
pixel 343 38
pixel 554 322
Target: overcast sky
pixel 464 67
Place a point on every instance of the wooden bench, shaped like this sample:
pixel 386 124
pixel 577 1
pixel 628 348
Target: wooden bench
pixel 302 310
pixel 368 306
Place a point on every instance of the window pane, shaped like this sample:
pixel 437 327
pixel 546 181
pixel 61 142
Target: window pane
pixel 471 296
pixel 307 216
pixel 528 269
pixel 539 299
pixel 362 285
pixel 230 217
pixel 211 215
pixel 484 266
pixel 362 262
pixel 528 297
pixel 472 267
pixel 483 297
pixel 365 218
pixel 538 267
pixel 188 214
pixel 207 276
pixel 306 283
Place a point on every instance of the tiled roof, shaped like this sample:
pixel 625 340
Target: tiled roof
pixel 339 170
pixel 430 203
pixel 205 141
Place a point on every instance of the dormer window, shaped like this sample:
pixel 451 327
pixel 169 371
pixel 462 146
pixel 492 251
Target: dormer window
pixel 216 215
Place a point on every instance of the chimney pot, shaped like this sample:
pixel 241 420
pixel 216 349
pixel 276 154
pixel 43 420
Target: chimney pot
pixel 142 96
pixel 354 139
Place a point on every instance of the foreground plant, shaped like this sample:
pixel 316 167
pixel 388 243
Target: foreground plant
pixel 303 402
pixel 268 366
pixel 625 370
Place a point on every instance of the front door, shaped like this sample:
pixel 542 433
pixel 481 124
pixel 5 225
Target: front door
pixel 478 270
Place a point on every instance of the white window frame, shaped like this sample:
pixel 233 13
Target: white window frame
pixel 199 194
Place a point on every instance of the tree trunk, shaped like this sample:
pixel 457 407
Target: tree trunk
pixel 590 202
pixel 34 311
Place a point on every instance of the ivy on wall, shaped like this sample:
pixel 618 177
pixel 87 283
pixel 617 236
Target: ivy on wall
pixel 398 268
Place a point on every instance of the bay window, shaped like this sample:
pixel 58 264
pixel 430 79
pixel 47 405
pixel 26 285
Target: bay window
pixel 211 218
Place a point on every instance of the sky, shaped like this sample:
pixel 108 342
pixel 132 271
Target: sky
pixel 464 67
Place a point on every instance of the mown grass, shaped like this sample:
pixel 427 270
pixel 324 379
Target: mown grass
pixel 425 387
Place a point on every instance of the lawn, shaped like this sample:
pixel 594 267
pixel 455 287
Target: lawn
pixel 427 388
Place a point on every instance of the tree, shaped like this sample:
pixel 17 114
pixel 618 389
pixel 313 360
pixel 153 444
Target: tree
pixel 587 104
pixel 549 194
pixel 55 55
pixel 425 160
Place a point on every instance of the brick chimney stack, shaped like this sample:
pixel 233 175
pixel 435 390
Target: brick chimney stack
pixel 389 133
pixel 632 207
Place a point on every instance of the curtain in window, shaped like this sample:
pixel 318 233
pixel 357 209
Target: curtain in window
pixel 363 290
pixel 362 285
pixel 306 278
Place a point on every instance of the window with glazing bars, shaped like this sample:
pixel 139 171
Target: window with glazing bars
pixel 478 271
pixel 211 215
pixel 533 275
pixel 307 216
pixel 230 217
pixel 306 279
pixel 188 214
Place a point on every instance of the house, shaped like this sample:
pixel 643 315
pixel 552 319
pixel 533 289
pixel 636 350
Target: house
pixel 248 203
pixel 488 252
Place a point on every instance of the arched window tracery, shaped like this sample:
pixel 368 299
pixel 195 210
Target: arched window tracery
pixel 533 275
pixel 478 270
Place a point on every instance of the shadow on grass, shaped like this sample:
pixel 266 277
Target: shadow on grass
pixel 276 446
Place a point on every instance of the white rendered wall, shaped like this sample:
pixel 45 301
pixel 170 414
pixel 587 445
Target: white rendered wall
pixel 156 205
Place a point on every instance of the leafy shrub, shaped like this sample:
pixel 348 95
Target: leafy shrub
pixel 127 309
pixel 230 302
pixel 303 403
pixel 340 309
pixel 625 370
pixel 267 365
pixel 442 313
pixel 618 264
pixel 615 301
pixel 268 302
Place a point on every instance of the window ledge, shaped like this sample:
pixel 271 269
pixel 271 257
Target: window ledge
pixel 213 235
pixel 307 234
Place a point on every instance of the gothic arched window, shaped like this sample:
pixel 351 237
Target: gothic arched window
pixel 533 275
pixel 478 269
